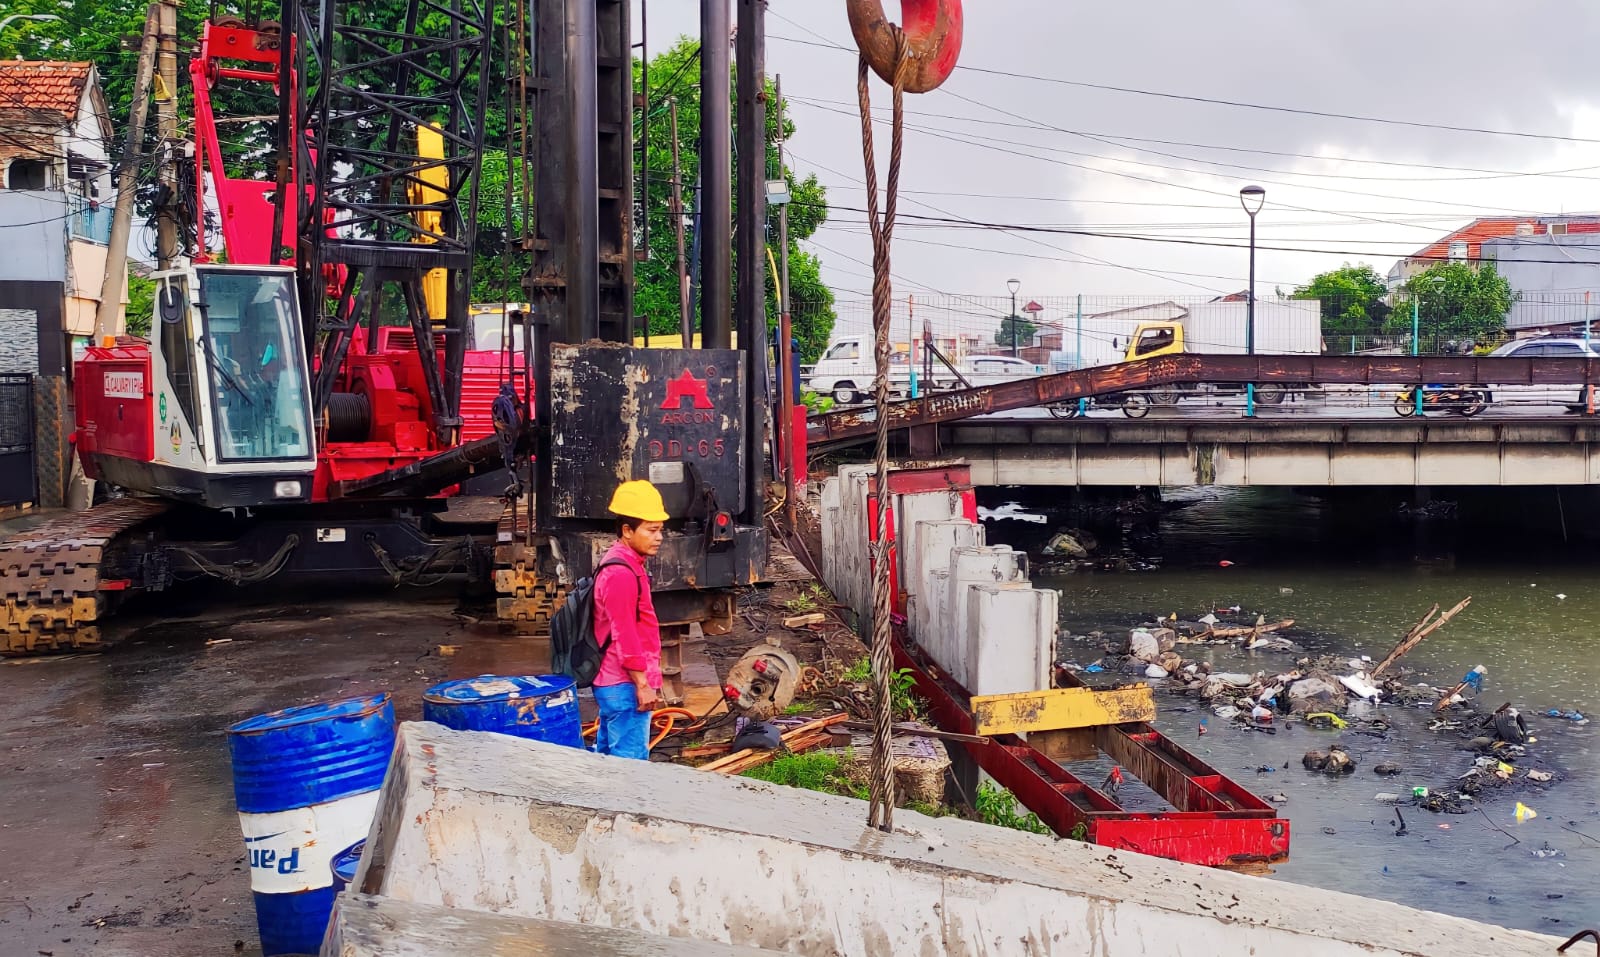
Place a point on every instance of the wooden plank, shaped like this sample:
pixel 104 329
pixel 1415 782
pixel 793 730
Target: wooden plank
pixel 1060 709
pixel 789 738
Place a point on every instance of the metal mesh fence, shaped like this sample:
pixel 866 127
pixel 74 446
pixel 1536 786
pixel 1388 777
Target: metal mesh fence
pixel 1070 331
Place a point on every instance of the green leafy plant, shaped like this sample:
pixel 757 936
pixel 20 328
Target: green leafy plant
pixel 801 604
pixel 860 672
pixel 815 402
pixel 902 695
pixel 995 805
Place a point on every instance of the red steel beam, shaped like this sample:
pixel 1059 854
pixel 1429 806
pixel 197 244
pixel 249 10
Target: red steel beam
pixel 1218 823
pixel 1176 370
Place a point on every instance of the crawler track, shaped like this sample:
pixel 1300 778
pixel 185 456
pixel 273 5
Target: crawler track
pixel 52 577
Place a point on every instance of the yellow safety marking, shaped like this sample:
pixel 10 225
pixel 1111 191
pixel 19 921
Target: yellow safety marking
pixel 1060 709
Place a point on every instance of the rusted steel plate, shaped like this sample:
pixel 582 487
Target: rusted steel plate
pixel 1174 370
pixel 1060 709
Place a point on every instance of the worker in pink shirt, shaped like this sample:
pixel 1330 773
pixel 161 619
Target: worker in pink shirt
pixel 628 685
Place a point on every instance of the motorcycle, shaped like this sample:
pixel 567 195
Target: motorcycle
pixel 1462 401
pixel 1134 405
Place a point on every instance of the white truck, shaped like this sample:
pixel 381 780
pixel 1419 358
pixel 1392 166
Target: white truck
pixel 1282 327
pixel 846 371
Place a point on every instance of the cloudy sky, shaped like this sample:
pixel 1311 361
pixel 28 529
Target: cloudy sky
pixel 1040 148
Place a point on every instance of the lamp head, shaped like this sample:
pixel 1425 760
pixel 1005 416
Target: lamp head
pixel 1252 198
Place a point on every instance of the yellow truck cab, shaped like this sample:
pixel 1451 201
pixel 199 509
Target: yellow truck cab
pixel 1152 339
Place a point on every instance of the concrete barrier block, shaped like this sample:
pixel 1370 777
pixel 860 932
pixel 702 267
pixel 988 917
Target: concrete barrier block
pixel 364 926
pixel 488 822
pixel 973 565
pixel 929 544
pixel 932 544
pixel 932 624
pixel 832 515
pixel 912 510
pixel 1011 638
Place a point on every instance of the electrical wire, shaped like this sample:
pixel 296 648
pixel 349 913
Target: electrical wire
pixel 1217 101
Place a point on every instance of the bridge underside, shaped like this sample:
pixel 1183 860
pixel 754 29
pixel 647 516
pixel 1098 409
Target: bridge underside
pixel 1392 453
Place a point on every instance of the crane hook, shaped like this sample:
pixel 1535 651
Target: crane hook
pixel 933 33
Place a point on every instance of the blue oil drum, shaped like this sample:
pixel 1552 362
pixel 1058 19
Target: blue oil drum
pixel 541 707
pixel 344 865
pixel 306 782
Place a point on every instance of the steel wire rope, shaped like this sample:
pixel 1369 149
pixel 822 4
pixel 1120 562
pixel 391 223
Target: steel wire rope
pixel 880 811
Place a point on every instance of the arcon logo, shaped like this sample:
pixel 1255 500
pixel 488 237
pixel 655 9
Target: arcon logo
pixel 687 386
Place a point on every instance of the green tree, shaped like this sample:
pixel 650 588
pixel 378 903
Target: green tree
pixel 675 73
pixel 1351 299
pixel 1455 301
pixel 141 304
pixel 1024 332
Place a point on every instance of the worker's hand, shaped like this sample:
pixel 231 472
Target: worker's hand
pixel 649 698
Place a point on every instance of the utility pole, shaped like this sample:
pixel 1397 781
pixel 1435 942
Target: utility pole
pixel 791 384
pixel 105 319
pixel 167 131
pixel 685 331
pixel 911 341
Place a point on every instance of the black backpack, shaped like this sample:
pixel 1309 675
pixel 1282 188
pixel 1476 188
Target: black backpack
pixel 574 652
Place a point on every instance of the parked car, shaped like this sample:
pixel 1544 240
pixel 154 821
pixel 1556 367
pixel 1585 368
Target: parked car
pixel 1572 347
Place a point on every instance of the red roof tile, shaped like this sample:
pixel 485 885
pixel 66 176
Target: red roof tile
pixel 50 86
pixel 1474 233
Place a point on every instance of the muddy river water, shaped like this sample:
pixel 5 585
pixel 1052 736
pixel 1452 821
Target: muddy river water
pixel 1354 583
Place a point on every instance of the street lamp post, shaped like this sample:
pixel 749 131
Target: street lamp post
pixel 1013 285
pixel 1251 198
pixel 4 21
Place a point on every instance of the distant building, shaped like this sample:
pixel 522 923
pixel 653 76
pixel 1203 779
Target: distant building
pixel 1556 275
pixel 55 218
pixel 1467 243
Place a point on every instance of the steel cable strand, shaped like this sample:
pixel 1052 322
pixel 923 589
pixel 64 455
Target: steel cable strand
pixel 882 783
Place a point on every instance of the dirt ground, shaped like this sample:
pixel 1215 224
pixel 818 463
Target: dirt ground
pixel 120 835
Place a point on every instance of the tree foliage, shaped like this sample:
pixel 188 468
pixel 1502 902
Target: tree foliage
pixel 675 74
pixel 1455 301
pixel 1024 331
pixel 1351 299
pixel 107 33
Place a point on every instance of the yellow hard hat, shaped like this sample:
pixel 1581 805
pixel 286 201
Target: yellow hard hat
pixel 639 499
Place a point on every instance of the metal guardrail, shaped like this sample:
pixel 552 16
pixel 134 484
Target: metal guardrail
pixel 1287 372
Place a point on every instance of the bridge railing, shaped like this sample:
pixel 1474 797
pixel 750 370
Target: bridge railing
pixel 1515 385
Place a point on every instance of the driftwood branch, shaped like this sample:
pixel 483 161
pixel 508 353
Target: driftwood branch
pixel 1422 629
pixel 1248 630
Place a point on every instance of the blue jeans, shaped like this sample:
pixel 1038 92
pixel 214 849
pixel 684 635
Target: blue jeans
pixel 624 729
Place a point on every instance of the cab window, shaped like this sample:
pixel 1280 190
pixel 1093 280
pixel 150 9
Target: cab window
pixel 1152 339
pixel 844 350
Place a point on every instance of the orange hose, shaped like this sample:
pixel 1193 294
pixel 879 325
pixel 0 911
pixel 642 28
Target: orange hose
pixel 666 719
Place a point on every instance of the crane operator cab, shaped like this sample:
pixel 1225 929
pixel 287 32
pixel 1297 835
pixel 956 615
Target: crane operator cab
pixel 233 397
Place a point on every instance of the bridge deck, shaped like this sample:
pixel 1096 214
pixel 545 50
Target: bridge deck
pixel 845 427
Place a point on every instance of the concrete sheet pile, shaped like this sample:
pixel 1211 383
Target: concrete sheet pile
pixel 485 822
pixel 1000 643
pixel 364 926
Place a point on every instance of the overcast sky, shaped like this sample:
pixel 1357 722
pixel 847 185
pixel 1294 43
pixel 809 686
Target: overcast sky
pixel 1370 191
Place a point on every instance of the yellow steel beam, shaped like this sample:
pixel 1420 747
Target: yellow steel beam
pixel 1060 709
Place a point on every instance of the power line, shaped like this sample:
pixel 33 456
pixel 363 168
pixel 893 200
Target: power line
pixel 1216 101
pixel 979 144
pixel 1155 274
pixel 1123 139
pixel 965 223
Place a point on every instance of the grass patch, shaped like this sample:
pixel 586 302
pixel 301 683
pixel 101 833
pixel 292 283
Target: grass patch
pixel 815 771
pixel 995 805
